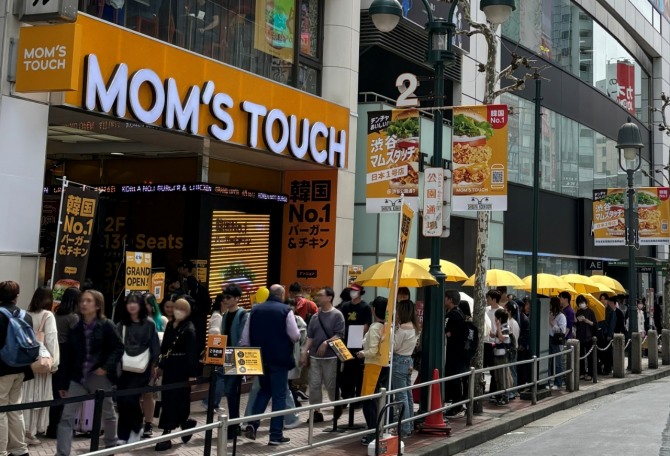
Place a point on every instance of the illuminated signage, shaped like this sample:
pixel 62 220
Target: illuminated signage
pixel 239 251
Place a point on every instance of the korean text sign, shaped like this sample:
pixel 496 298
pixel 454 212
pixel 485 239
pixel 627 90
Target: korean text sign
pixel 308 238
pixel 480 158
pixel 392 160
pixel 653 214
pixel 77 218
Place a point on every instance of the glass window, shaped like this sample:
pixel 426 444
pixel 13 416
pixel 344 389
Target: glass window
pixel 549 152
pixel 569 152
pixel 308 79
pixel 521 141
pixel 563 32
pixel 587 150
pixel 309 28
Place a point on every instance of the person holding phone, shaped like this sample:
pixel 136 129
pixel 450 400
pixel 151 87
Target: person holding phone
pixel 586 325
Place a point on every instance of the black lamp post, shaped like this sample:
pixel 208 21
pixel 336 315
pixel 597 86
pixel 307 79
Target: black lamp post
pixel 629 143
pixel 386 14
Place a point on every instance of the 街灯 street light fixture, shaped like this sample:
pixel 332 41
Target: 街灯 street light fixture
pixel 629 143
pixel 386 14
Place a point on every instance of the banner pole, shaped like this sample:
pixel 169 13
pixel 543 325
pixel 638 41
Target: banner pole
pixel 60 222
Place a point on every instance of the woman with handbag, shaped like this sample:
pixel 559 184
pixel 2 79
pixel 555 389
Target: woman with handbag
pixel 141 349
pixel 39 388
pixel 178 363
pixel 557 329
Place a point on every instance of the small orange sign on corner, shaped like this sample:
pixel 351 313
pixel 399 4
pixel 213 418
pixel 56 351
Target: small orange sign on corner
pixel 216 348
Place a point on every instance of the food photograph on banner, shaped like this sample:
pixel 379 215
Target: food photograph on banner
pixel 392 160
pixel 479 158
pixel 653 213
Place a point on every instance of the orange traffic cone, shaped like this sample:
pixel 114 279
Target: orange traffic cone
pixel 434 423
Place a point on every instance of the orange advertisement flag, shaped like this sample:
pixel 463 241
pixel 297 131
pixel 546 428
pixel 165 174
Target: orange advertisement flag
pixel 653 213
pixel 392 160
pixel 370 377
pixel 308 238
pixel 406 217
pixel 479 157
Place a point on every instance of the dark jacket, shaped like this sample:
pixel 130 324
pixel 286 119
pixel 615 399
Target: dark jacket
pixel 106 350
pixel 267 330
pixel 4 323
pixel 456 329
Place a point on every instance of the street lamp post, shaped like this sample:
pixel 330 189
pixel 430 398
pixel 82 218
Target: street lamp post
pixel 386 14
pixel 629 144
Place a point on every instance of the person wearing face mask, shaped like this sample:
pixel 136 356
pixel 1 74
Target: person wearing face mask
pixel 585 323
pixel 357 318
pixel 177 363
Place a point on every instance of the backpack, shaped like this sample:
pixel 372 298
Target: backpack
pixel 471 339
pixel 21 346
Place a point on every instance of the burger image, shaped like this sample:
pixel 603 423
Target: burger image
pixel 61 286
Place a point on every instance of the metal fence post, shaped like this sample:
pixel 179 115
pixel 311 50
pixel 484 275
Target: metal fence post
pixel 534 369
pixel 471 395
pixel 594 360
pixel 652 349
pixel 222 436
pixel 380 406
pixel 211 393
pixel 97 420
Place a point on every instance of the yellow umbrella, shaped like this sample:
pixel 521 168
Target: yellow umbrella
pixel 548 284
pixel 581 283
pixel 497 278
pixel 451 270
pixel 609 282
pixel 596 306
pixel 414 275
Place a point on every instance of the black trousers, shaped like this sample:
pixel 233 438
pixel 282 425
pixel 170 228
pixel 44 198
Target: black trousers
pixel 131 416
pixel 585 365
pixel 350 379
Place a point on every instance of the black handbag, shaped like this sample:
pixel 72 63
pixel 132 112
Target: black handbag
pixel 558 339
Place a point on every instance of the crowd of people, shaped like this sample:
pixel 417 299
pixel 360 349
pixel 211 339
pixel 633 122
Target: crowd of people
pixel 82 351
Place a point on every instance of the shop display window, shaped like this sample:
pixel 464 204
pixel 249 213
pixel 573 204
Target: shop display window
pixel 276 39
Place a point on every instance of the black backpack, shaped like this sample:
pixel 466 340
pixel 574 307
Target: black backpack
pixel 471 339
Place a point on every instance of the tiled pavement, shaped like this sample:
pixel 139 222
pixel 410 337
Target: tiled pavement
pixel 492 422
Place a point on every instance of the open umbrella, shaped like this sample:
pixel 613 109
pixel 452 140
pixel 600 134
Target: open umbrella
pixel 548 284
pixel 414 275
pixel 609 282
pixel 497 278
pixel 596 306
pixel 451 270
pixel 469 300
pixel 581 283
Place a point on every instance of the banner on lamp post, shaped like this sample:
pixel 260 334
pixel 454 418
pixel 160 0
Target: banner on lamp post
pixel 392 160
pixel 479 157
pixel 433 200
pixel 653 213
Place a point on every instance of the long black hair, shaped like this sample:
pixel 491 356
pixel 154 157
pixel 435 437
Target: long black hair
pixel 69 303
pixel 142 315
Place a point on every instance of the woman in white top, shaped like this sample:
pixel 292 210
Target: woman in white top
pixel 406 333
pixel 39 388
pixel 557 326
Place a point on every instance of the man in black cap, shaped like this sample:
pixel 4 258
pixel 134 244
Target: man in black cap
pixel 357 318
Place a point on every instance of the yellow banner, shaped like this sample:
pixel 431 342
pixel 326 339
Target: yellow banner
pixel 653 213
pixel 479 157
pixel 392 160
pixel 158 285
pixel 138 272
pixel 243 361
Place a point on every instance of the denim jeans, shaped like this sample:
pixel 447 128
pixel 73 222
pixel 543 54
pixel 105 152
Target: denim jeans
pixel 273 385
pixel 401 378
pixel 558 381
pixel 290 403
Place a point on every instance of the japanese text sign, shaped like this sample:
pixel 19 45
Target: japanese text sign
pixel 77 218
pixel 308 239
pixel 653 213
pixel 625 81
pixel 480 158
pixel 433 199
pixel 138 272
pixel 392 160
pixel 242 361
pixel 216 348
pixel 341 350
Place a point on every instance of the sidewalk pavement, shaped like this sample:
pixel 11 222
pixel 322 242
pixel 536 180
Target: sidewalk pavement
pixel 493 422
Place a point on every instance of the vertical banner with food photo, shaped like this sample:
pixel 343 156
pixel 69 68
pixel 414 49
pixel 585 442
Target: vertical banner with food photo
pixel 653 213
pixel 392 160
pixel 77 218
pixel 480 158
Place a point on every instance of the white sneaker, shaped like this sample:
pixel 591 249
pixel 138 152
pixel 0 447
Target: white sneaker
pixel 134 437
pixel 293 425
pixel 120 442
pixel 555 387
pixel 32 440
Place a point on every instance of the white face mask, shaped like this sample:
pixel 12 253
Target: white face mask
pixel 354 294
pixel 582 305
pixel 179 315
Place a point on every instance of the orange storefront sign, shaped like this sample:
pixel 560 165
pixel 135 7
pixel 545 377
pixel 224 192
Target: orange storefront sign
pixel 47 58
pixel 128 75
pixel 308 238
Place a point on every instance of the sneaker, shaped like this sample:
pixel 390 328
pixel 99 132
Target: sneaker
pixel 121 442
pixel 188 424
pixel 292 425
pixel 134 436
pixel 163 446
pixel 32 440
pixel 502 401
pixel 555 387
pixel 281 441
pixel 148 431
pixel 302 395
pixel 367 440
pixel 250 432
pixel 459 414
